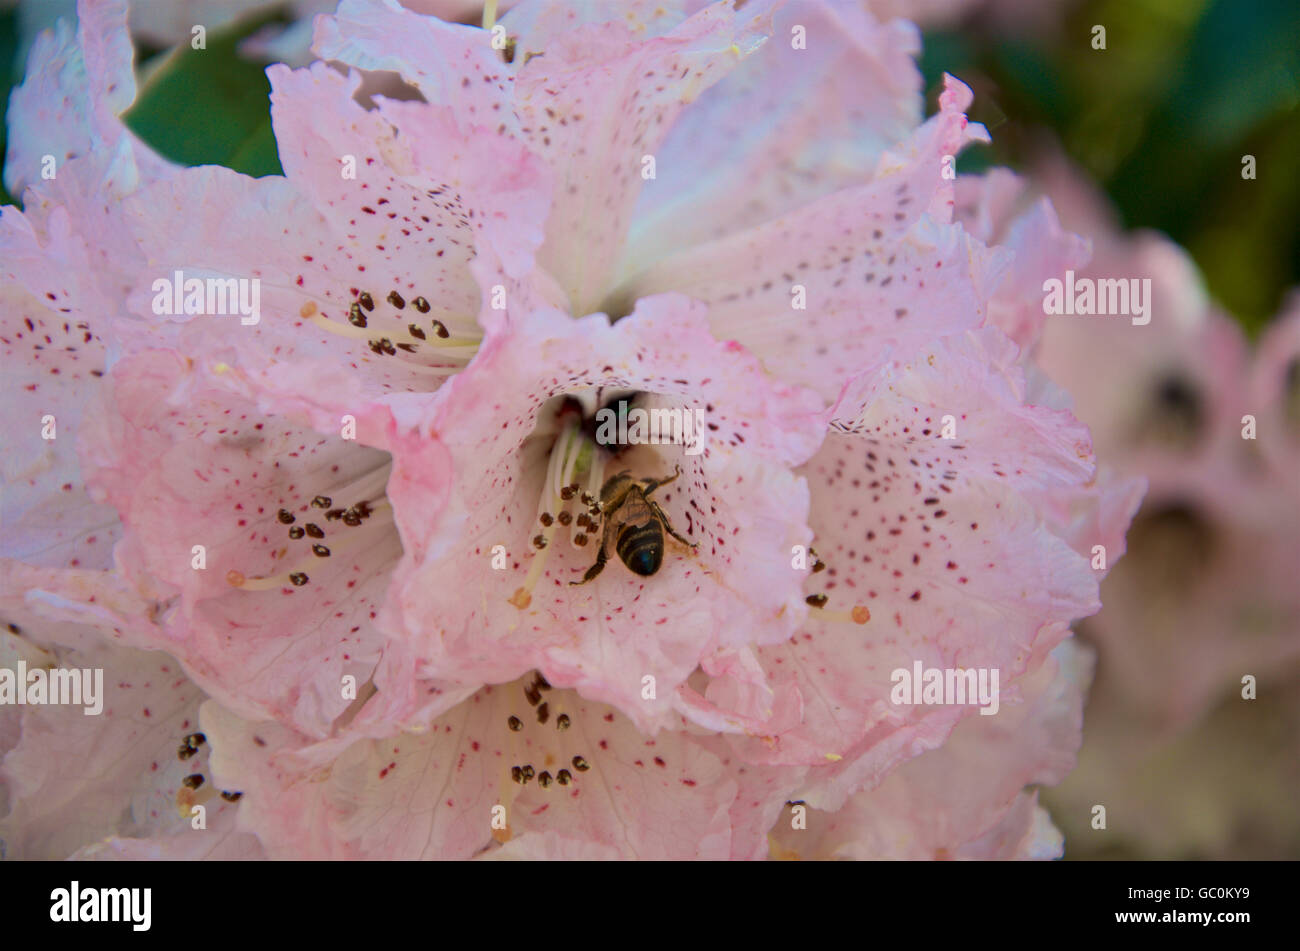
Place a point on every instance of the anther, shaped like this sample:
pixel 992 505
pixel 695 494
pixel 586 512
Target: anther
pixel 421 305
pixel 547 519
pixel 185 752
pixel 314 530
pixel 539 542
pixel 296 532
pixel 298 579
pixel 543 713
pixel 195 740
pixel 528 771
pixel 544 780
pixel 232 796
pixel 367 301
pixel 515 724
pixel 562 722
pixel 322 502
pixel 396 300
pixel 416 332
pixel 817 600
pixel 285 516
pixel 565 517
pixel 563 777
pixel 320 551
pixel 193 781
pixel 517 774
pixel 355 317
pixel 532 694
pixel 580 764
pixel 567 493
pixel 441 329
pixel 580 539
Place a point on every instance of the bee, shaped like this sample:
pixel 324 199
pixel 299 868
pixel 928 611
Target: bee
pixel 635 524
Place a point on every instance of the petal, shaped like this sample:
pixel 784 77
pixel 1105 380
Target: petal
pixel 448 62
pixel 988 205
pixel 432 795
pixel 75 780
pixel 877 266
pixel 941 540
pixel 601 99
pixel 967 798
pixel 187 465
pixel 53 362
pixel 67 109
pixel 809 113
pixel 373 233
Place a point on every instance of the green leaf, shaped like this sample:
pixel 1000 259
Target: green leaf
pixel 8 71
pixel 210 106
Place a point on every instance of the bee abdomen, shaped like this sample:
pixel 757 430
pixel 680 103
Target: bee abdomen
pixel 641 547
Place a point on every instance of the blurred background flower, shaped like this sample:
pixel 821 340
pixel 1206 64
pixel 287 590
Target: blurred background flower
pixel 1171 149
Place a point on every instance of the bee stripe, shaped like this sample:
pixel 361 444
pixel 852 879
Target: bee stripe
pixel 636 537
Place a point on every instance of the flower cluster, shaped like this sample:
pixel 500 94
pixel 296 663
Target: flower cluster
pixel 363 577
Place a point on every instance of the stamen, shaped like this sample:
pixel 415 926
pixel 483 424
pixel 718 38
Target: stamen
pixel 412 339
pixel 859 614
pixel 559 467
pixel 368 485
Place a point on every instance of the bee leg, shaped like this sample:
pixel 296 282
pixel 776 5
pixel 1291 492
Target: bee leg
pixel 595 569
pixel 669 525
pixel 653 484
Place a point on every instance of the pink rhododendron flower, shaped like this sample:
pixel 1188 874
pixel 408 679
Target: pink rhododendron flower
pixel 1204 601
pixel 513 425
pixel 367 522
pixel 1216 534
